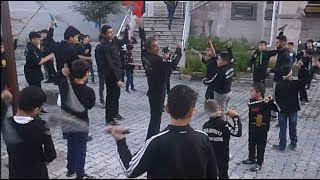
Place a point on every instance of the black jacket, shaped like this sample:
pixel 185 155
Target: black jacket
pixel 222 80
pixel 287 95
pixel 109 53
pixel 260 62
pixel 128 58
pixel 282 59
pixel 4 72
pixel 178 152
pixel 48 43
pixel 31 148
pixel 219 132
pixel 32 69
pixel 99 60
pixel 260 114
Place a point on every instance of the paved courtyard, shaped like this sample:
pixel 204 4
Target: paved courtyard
pixel 102 160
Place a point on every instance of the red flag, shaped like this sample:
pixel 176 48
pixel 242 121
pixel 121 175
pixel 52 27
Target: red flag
pixel 136 7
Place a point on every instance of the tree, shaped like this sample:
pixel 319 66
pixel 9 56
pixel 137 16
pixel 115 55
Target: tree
pixel 96 11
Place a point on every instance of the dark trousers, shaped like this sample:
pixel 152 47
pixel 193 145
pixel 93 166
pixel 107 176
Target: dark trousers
pixel 4 110
pixel 311 74
pixel 50 69
pixel 112 99
pixel 90 63
pixel 76 155
pixel 101 85
pixel 303 77
pixel 37 84
pixel 209 92
pixel 259 77
pixel 156 101
pixel 223 166
pixel 257 143
pixel 171 10
pixel 129 73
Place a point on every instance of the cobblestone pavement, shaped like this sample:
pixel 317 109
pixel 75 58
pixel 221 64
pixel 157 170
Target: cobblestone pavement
pixel 102 160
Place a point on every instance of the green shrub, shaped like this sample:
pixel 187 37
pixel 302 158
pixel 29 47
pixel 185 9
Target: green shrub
pixel 193 64
pixel 240 49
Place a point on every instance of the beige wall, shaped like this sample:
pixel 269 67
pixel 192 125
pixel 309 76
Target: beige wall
pixel 223 26
pixel 310 29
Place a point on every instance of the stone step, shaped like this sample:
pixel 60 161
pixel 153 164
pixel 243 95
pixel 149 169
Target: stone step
pixel 161 29
pixel 145 18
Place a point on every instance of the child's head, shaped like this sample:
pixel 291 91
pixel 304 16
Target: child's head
pixel 31 100
pixel 286 72
pixel 71 34
pixel 80 69
pixel 166 53
pixel 257 91
pixel 44 33
pixel 290 45
pixel 181 102
pixel 209 53
pixel 34 38
pixel 263 45
pixel 86 39
pixel 309 44
pixel 212 108
pixel 81 38
pixel 100 38
pixel 130 47
pixel 223 59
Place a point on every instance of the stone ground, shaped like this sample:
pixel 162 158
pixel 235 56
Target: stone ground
pixel 102 160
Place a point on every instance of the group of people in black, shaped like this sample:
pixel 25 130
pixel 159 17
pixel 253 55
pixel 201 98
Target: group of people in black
pixel 178 151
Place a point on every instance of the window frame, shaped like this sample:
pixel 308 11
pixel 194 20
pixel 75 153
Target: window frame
pixel 254 7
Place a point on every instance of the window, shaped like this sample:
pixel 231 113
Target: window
pixel 244 11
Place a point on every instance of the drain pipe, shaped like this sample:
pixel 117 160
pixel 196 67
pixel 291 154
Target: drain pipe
pixel 272 22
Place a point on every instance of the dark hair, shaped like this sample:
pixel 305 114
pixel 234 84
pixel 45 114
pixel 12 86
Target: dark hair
pixel 100 38
pixel 259 88
pixel 290 43
pixel 81 37
pixel 105 28
pixel 129 47
pixel 263 42
pixel 310 40
pixel 282 38
pixel 211 106
pixel 149 41
pixel 30 98
pixel 225 56
pixel 70 32
pixel 285 70
pixel 79 68
pixel 181 99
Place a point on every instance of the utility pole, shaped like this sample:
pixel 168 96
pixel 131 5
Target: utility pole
pixel 9 51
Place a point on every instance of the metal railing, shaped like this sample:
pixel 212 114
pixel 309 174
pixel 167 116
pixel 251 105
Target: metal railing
pixel 186 27
pixel 196 4
pixel 125 20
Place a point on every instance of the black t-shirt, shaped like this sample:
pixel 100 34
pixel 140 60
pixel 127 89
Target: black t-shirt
pixel 32 69
pixel 88 48
pixel 79 48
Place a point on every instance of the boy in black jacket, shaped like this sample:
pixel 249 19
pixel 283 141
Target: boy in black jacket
pixel 287 98
pixel 260 62
pixel 178 152
pixel 77 141
pixel 259 124
pixel 219 132
pixel 128 60
pixel 28 138
pixel 100 69
pixel 304 75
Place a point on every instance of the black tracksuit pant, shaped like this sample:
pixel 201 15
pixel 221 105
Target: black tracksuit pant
pixel 156 101
pixel 112 98
pixel 223 166
pixel 51 70
pixel 257 143
pixel 209 92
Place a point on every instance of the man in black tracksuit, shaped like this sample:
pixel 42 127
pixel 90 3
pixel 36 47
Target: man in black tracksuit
pixel 100 69
pixel 109 52
pixel 219 132
pixel 259 124
pixel 47 46
pixel 157 75
pixel 260 62
pixel 178 152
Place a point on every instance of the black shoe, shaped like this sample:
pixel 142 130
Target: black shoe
pixel 247 161
pixel 118 117
pixel 133 89
pixel 255 168
pixel 277 147
pixel 112 123
pixel 43 111
pixel 127 91
pixel 70 174
pixel 49 81
pixel 86 177
pixel 89 138
pixel 293 146
pixel 277 125
pixel 169 26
